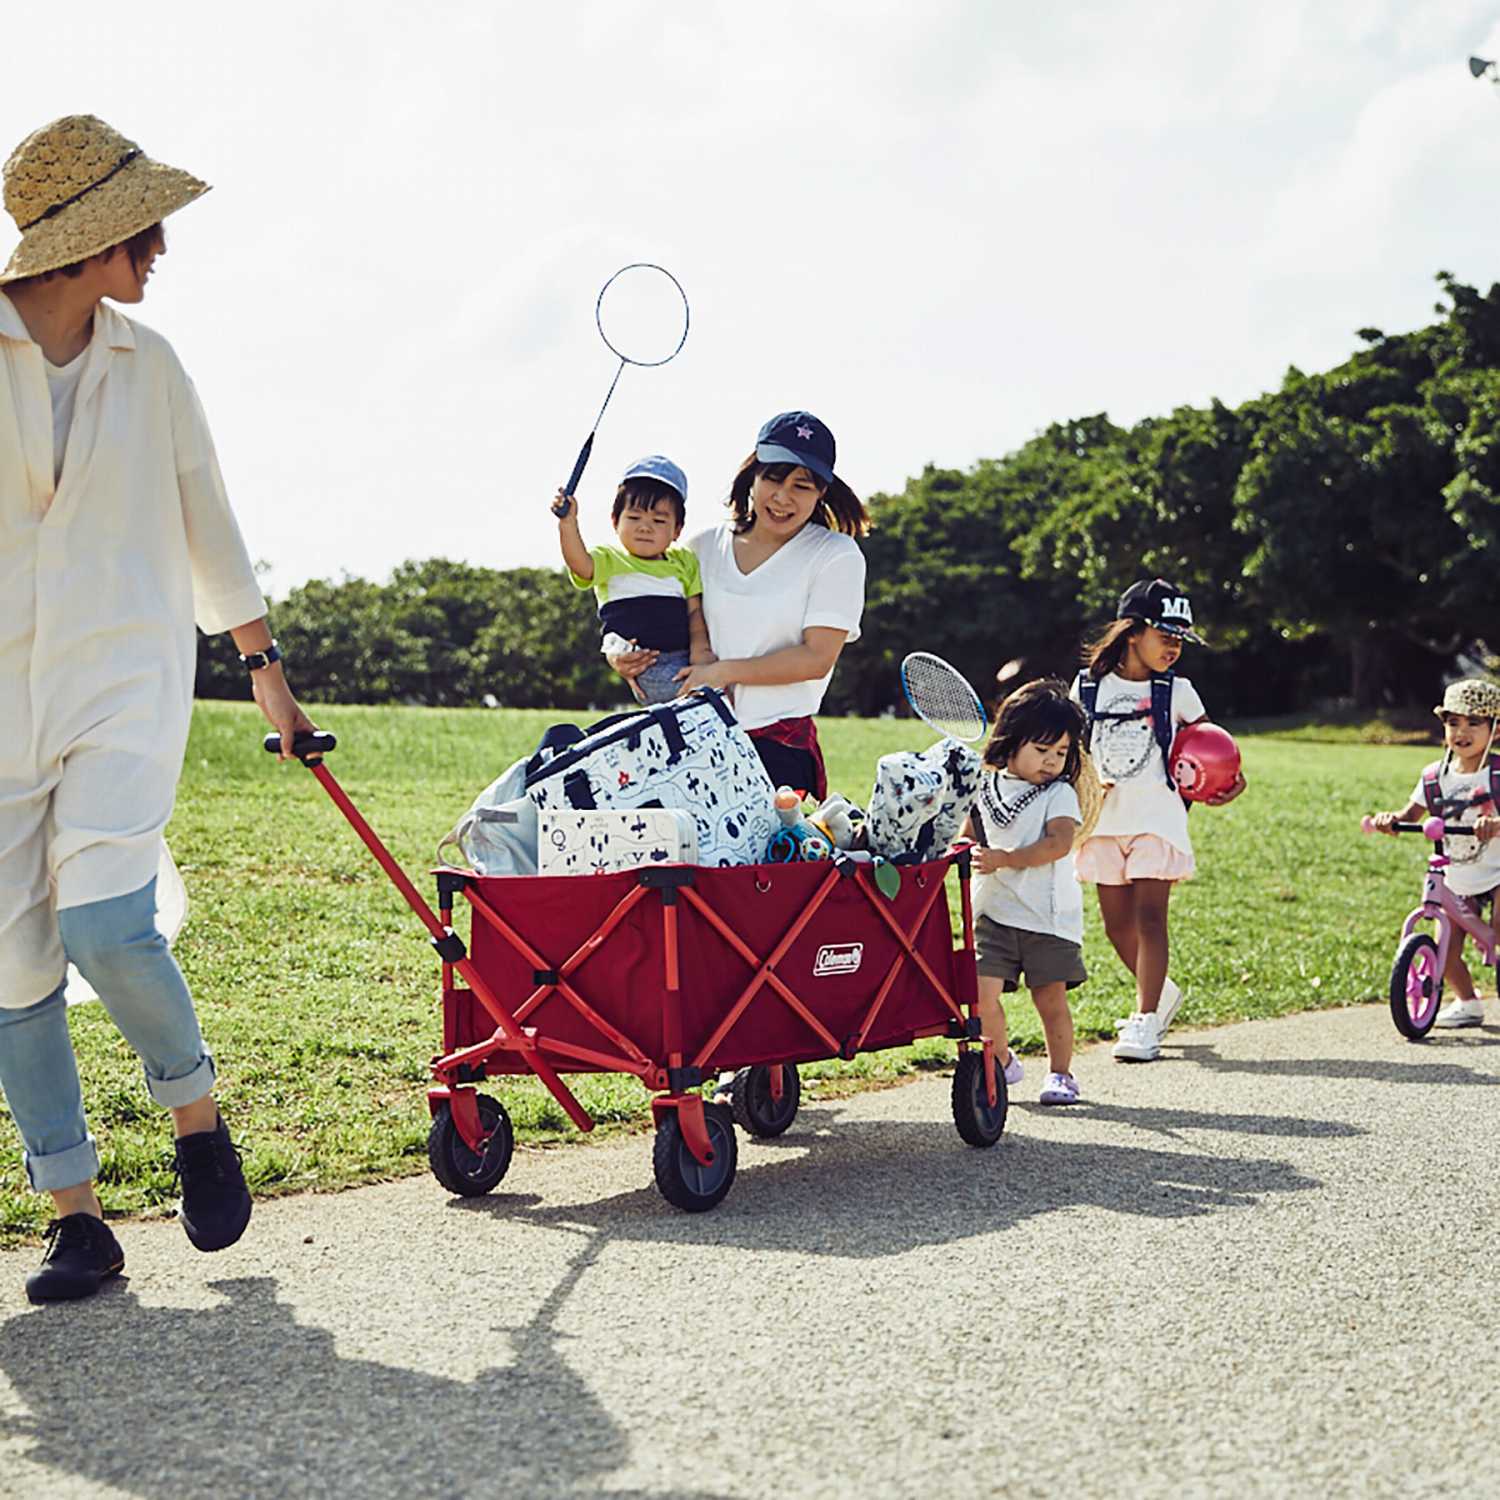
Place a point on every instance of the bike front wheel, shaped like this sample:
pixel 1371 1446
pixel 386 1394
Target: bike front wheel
pixel 1416 987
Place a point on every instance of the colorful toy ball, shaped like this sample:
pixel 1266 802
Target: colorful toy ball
pixel 1205 761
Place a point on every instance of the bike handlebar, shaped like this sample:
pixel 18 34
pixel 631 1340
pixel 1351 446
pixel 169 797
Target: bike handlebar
pixel 1432 828
pixel 306 747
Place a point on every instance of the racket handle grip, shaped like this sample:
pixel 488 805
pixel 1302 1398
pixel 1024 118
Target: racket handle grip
pixel 576 475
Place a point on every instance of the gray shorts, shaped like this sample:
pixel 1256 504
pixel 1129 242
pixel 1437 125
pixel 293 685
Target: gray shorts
pixel 1012 952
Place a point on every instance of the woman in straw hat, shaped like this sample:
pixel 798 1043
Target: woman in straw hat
pixel 115 537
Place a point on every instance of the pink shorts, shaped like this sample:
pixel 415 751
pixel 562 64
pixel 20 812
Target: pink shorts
pixel 1112 860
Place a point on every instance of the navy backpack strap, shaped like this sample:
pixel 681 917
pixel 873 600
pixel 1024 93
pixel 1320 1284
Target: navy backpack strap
pixel 1088 698
pixel 1495 781
pixel 1161 719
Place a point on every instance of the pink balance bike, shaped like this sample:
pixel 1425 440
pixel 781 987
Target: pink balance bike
pixel 1421 957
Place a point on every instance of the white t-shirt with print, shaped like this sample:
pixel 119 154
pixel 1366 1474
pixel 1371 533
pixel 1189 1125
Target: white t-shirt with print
pixel 1010 813
pixel 816 579
pixel 1473 867
pixel 1130 762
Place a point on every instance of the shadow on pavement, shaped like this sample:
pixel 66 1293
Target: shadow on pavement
pixel 1169 1122
pixel 240 1399
pixel 864 1189
pixel 1376 1071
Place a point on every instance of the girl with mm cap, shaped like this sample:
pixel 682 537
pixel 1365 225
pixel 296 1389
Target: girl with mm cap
pixel 1134 703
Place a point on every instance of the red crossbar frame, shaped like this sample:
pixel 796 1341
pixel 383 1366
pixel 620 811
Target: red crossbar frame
pixel 516 1037
pixel 512 1036
pixel 765 974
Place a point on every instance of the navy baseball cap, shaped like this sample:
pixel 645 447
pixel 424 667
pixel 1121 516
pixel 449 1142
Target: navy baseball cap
pixel 1161 604
pixel 658 466
pixel 797 437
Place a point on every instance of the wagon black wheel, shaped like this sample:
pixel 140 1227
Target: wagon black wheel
pixel 471 1174
pixel 1416 987
pixel 754 1108
pixel 684 1181
pixel 977 1123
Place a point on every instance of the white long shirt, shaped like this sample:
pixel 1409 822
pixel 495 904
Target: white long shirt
pixel 102 575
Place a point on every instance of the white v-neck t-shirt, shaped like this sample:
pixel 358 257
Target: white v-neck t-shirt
pixel 816 579
pixel 62 386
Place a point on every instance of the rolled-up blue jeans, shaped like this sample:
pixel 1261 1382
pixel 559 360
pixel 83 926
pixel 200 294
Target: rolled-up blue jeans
pixel 117 948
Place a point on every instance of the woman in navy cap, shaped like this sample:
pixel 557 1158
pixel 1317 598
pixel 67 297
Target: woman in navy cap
pixel 783 591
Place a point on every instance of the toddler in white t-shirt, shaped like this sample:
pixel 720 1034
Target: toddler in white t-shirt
pixel 1460 789
pixel 1134 704
pixel 1030 911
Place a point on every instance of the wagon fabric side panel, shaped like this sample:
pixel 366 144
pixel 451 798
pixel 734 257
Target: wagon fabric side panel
pixel 835 966
pixel 814 998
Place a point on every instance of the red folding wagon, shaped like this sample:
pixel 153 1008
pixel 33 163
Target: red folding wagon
pixel 676 974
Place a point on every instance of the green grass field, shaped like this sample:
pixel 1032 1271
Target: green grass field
pixel 318 991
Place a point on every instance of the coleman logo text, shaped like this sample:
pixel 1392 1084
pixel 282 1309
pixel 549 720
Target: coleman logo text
pixel 838 958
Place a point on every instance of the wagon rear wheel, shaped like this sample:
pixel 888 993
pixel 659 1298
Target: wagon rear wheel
pixel 684 1181
pixel 1416 987
pixel 468 1173
pixel 754 1108
pixel 977 1122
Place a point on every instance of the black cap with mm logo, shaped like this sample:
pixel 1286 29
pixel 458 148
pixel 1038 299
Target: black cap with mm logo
pixel 1161 604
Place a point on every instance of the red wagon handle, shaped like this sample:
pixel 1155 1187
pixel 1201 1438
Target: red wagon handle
pixel 310 749
pixel 306 746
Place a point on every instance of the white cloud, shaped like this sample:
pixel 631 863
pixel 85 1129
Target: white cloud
pixel 940 226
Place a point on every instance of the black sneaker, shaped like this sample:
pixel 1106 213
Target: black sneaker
pixel 215 1201
pixel 81 1256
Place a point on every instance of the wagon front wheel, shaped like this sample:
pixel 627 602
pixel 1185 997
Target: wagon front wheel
pixel 1416 987
pixel 977 1122
pixel 755 1109
pixel 684 1181
pixel 461 1170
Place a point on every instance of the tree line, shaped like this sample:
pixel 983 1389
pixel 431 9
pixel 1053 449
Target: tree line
pixel 1336 536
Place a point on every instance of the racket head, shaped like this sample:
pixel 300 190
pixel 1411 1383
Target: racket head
pixel 642 315
pixel 940 695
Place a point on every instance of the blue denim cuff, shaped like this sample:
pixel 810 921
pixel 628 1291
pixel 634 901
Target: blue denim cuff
pixel 63 1169
pixel 173 1093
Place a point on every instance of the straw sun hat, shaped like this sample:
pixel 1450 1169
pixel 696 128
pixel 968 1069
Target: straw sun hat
pixel 77 186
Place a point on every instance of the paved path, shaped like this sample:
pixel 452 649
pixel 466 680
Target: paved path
pixel 1261 1266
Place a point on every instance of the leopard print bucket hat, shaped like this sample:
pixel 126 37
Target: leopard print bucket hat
pixel 77 186
pixel 1471 696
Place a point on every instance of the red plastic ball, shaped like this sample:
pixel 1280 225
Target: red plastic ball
pixel 1205 761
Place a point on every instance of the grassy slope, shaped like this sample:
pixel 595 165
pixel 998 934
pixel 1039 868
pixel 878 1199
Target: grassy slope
pixel 318 991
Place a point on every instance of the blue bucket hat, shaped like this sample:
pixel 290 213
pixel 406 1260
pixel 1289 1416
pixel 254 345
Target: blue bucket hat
pixel 658 466
pixel 797 437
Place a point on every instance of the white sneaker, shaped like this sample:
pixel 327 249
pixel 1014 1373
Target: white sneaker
pixel 1140 1038
pixel 1167 1007
pixel 1461 1013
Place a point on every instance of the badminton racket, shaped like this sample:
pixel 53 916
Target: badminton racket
pixel 940 695
pixel 642 316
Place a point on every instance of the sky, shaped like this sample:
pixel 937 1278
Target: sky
pixel 940 225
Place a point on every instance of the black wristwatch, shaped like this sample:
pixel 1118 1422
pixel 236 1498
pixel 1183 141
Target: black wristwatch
pixel 256 661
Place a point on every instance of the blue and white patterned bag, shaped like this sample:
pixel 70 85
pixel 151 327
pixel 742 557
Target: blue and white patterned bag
pixel 689 754
pixel 920 800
